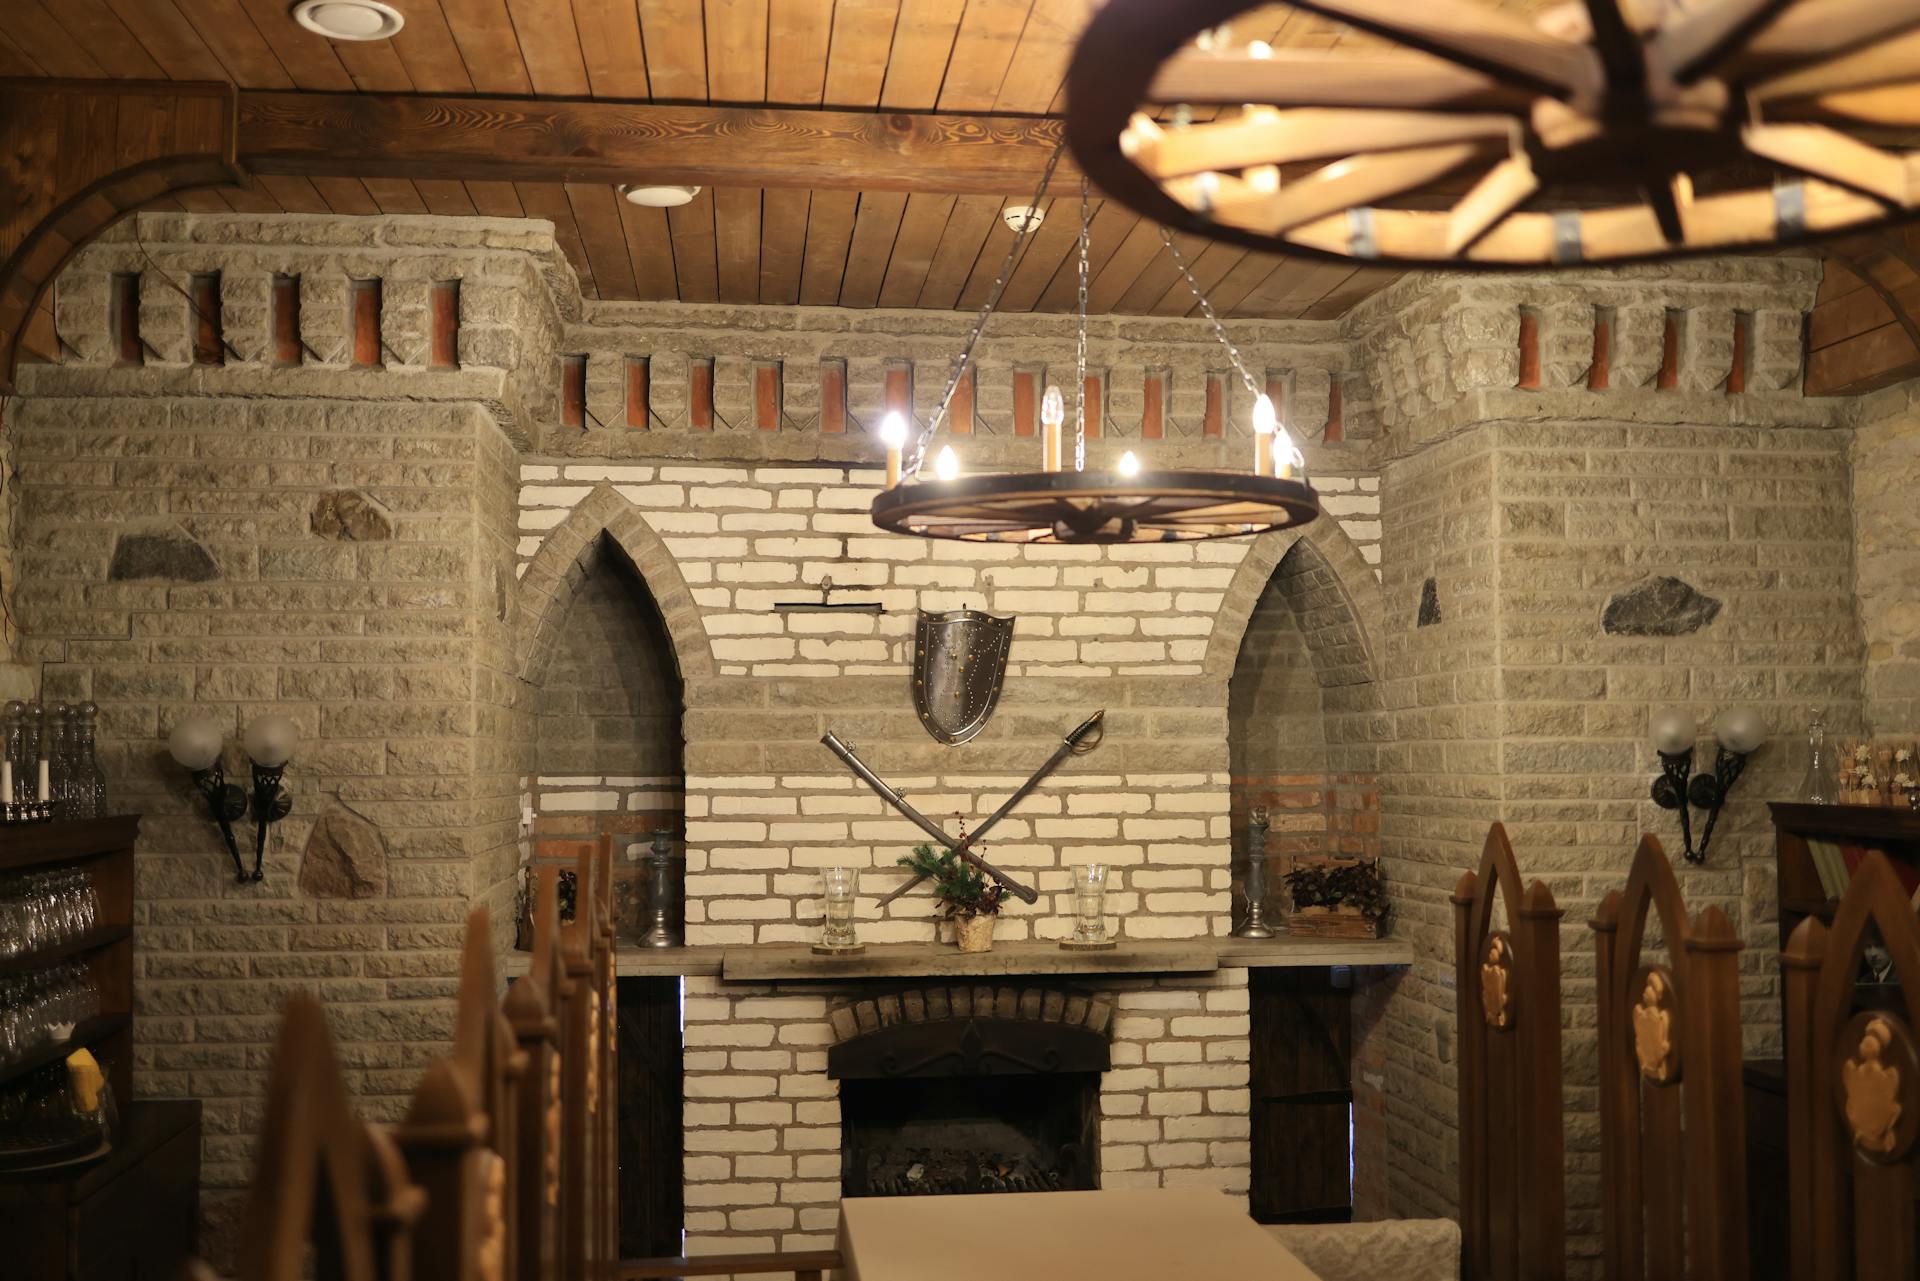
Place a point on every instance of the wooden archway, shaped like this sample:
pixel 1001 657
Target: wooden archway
pixel 76 156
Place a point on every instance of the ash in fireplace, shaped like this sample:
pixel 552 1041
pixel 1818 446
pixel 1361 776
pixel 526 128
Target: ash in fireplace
pixel 926 1172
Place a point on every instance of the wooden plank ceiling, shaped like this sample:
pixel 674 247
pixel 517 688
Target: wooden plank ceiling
pixel 732 244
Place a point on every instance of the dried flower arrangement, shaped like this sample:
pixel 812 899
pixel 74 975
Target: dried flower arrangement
pixel 1879 773
pixel 1337 898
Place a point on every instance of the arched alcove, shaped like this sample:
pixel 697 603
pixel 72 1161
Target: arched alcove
pixel 1301 736
pixel 607 708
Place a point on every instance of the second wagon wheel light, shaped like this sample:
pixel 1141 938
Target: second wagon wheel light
pixel 1064 501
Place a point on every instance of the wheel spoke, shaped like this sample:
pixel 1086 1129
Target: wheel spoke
pixel 1308 78
pixel 1498 193
pixel 1478 37
pixel 1827 153
pixel 1894 62
pixel 1347 184
pixel 1690 47
pixel 1810 33
pixel 1263 136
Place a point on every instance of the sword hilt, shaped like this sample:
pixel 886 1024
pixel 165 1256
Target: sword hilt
pixel 1086 727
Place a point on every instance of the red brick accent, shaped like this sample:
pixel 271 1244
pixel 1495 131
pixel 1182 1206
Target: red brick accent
pixel 286 321
pixel 1153 405
pixel 1599 373
pixel 960 408
pixel 766 395
pixel 1669 376
pixel 700 393
pixel 833 396
pixel 1026 402
pixel 1737 375
pixel 366 322
pixel 209 347
pixel 639 393
pixel 1095 389
pixel 573 391
pixel 123 314
pixel 443 347
pixel 1214 424
pixel 1529 350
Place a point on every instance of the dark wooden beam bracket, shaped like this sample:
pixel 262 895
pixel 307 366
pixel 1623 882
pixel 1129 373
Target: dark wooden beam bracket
pixel 362 135
pixel 76 156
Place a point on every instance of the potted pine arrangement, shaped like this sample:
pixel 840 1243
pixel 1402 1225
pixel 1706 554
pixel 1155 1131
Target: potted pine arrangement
pixel 967 896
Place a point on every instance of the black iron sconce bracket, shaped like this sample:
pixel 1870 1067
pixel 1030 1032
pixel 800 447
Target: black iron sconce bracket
pixel 226 802
pixel 1679 788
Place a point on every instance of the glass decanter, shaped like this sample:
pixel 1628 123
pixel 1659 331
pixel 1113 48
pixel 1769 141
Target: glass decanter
pixel 1821 783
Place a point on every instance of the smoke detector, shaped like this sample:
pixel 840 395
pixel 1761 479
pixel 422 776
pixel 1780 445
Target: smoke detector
pixel 1022 217
pixel 349 19
pixel 659 197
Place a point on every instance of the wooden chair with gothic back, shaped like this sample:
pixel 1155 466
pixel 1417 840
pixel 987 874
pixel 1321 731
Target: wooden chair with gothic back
pixel 578 1016
pixel 1672 1163
pixel 603 1103
pixel 457 1136
pixel 330 1196
pixel 1512 1176
pixel 1853 1086
pixel 533 1007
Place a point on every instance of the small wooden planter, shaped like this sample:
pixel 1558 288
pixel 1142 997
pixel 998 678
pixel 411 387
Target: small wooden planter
pixel 1331 923
pixel 1340 922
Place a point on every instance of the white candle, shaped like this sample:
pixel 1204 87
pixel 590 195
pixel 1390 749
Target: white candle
pixel 1053 412
pixel 893 434
pixel 6 781
pixel 46 789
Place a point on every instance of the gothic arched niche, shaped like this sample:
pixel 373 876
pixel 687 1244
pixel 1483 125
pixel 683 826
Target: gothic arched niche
pixel 608 742
pixel 1300 734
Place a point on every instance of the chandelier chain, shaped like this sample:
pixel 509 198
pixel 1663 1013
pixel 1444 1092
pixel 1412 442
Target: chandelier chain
pixel 965 359
pixel 1080 349
pixel 1206 309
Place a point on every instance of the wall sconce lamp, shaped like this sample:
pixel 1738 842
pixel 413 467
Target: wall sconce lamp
pixel 1738 731
pixel 196 744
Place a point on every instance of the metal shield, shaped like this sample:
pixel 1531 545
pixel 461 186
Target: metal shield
pixel 959 659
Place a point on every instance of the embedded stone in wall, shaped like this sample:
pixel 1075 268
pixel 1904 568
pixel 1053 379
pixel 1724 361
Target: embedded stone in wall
pixel 171 555
pixel 346 857
pixel 1429 605
pixel 1659 607
pixel 349 516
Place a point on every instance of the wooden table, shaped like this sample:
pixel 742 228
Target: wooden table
pixel 1148 1235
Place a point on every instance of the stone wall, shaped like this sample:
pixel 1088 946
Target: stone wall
pixel 1452 609
pixel 1886 538
pixel 391 555
pixel 1558 562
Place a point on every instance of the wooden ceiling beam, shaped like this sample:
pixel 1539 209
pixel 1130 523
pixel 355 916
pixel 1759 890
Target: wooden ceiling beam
pixel 546 140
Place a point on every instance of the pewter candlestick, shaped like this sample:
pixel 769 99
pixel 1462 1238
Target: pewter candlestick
pixel 661 893
pixel 1255 926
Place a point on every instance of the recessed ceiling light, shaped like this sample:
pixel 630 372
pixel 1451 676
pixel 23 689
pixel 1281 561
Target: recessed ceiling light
pixel 1022 218
pixel 659 197
pixel 349 19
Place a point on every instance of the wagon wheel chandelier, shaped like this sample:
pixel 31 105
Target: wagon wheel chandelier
pixel 1605 131
pixel 1132 503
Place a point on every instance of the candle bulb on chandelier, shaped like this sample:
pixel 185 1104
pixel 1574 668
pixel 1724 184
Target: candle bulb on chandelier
pixel 1287 458
pixel 1129 466
pixel 1264 422
pixel 893 434
pixel 947 465
pixel 1053 412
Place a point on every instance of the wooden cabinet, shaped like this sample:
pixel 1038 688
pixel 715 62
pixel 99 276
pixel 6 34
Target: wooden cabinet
pixel 103 849
pixel 132 1216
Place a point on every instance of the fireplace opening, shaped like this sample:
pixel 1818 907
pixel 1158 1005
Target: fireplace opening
pixel 971 1092
pixel 936 1135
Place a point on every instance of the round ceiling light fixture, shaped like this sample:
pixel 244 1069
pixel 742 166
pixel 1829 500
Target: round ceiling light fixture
pixel 659 197
pixel 1021 218
pixel 349 19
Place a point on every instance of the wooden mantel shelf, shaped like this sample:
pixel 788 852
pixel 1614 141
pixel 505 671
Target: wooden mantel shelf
pixel 794 962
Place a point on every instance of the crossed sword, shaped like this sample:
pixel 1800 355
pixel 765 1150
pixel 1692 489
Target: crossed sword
pixel 1073 744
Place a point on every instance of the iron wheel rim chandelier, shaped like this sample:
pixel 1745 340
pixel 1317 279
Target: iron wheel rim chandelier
pixel 1127 504
pixel 1613 131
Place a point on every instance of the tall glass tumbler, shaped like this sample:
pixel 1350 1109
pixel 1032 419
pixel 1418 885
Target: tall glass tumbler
pixel 839 885
pixel 1090 903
